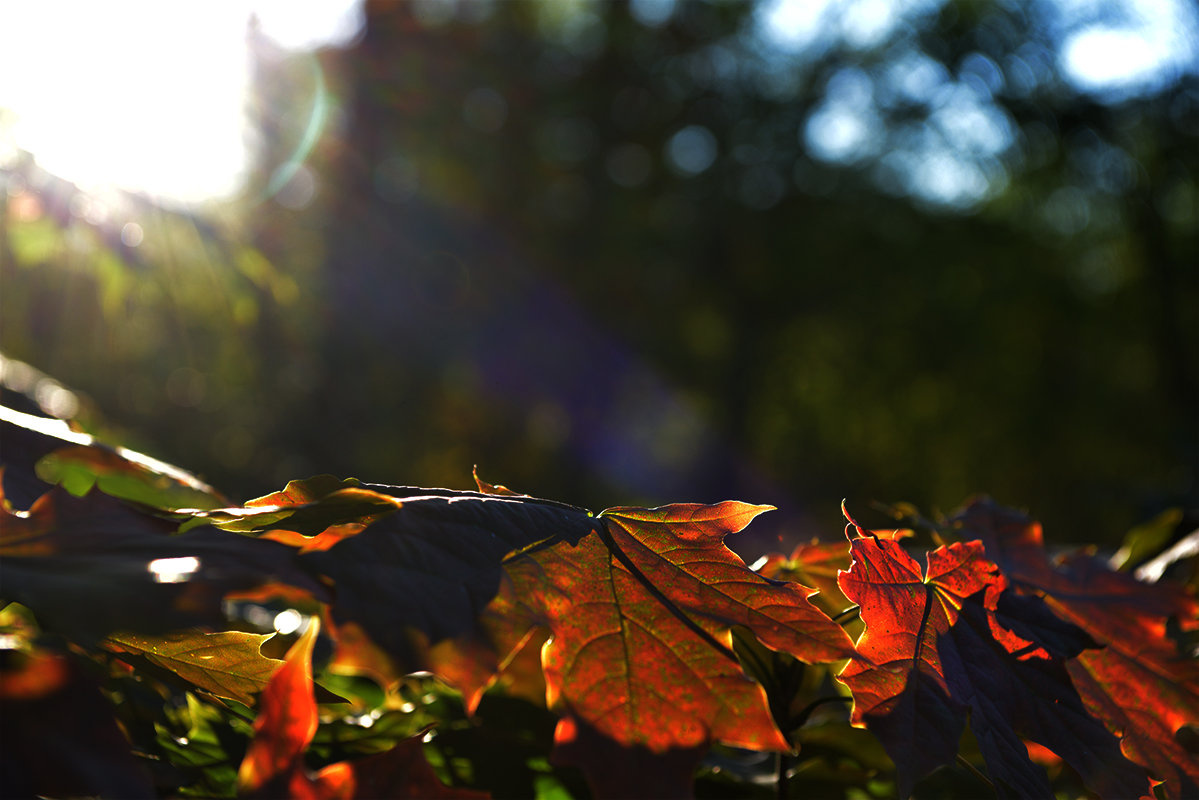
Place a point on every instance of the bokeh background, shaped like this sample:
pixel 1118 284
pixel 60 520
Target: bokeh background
pixel 785 251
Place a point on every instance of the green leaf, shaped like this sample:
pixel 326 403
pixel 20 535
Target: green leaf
pixel 1147 540
pixel 125 474
pixel 39 452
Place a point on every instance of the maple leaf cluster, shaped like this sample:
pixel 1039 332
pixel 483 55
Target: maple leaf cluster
pixel 131 592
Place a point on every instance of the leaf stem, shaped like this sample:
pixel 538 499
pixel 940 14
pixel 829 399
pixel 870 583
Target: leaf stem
pixel 783 766
pixel 973 770
pixel 800 719
pixel 847 614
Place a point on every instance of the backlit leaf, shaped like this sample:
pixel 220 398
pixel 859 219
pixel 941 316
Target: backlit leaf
pixel 814 564
pixel 897 679
pixel 286 724
pixel 39 452
pixel 425 573
pixel 640 615
pixel 227 664
pixel 935 647
pixel 308 507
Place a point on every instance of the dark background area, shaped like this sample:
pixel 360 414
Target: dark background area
pixel 641 253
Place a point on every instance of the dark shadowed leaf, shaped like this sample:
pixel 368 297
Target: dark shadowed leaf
pixel 60 736
pixel 627 772
pixel 24 440
pixel 92 565
pixel 402 773
pixel 1033 697
pixel 430 568
pixel 1139 684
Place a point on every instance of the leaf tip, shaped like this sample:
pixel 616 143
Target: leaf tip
pixel 850 521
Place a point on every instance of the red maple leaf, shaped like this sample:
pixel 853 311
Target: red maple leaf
pixel 935 647
pixel 639 662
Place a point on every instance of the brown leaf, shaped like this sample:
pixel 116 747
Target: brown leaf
pixel 228 664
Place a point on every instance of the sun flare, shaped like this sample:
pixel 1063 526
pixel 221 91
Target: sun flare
pixel 142 96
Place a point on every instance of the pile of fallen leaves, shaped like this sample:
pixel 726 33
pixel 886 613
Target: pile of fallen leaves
pixel 339 639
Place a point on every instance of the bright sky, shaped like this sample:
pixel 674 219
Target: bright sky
pixel 1110 49
pixel 145 95
pixel 1155 38
pixel 1134 43
pixel 150 96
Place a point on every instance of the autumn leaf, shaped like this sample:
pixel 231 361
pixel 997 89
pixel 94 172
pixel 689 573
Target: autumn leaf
pixel 493 488
pixel 1012 698
pixel 640 613
pixel 286 724
pixel 87 566
pixel 898 684
pixel 1138 683
pixel 287 720
pixel 425 573
pixel 639 604
pixel 228 663
pixel 679 551
pixel 814 564
pixel 930 653
pixel 307 507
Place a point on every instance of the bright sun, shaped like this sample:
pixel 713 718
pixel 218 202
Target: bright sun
pixel 142 95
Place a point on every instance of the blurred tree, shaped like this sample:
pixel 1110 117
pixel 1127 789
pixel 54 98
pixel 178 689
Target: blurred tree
pixel 654 251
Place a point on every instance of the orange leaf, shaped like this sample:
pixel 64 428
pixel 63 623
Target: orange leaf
pixel 640 615
pixel 936 646
pixel 814 564
pixel 286 723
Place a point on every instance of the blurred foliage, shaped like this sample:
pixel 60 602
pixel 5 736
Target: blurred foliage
pixel 638 252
